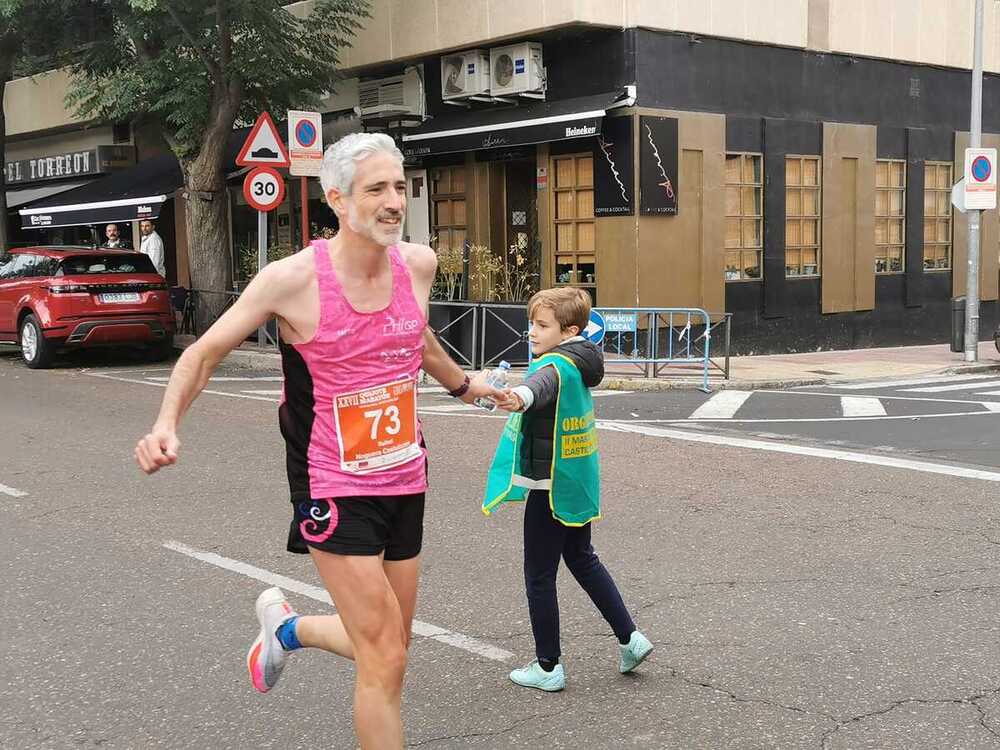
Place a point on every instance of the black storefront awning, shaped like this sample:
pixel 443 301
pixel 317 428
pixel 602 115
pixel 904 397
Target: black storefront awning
pixel 539 122
pixel 130 195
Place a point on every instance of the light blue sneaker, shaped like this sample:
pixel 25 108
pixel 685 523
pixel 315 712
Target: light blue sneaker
pixel 534 676
pixel 634 652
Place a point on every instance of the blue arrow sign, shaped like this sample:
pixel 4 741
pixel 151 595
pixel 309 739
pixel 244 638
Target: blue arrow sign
pixel 595 327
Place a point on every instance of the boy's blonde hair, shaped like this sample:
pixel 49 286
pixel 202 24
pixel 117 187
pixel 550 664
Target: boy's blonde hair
pixel 570 306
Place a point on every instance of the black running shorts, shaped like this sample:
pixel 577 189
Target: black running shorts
pixel 393 524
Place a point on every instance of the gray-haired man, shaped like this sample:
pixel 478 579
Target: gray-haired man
pixel 352 315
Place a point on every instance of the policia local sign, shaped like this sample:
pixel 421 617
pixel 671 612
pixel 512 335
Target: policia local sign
pixel 71 164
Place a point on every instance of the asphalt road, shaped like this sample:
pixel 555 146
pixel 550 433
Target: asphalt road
pixel 802 589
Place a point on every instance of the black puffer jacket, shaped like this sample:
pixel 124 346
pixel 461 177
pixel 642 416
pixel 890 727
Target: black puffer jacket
pixel 539 420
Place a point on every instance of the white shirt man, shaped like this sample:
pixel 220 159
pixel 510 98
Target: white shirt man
pixel 152 245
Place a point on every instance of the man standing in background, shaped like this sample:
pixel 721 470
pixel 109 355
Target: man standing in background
pixel 152 245
pixel 114 241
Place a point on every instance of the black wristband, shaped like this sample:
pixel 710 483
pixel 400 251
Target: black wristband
pixel 460 391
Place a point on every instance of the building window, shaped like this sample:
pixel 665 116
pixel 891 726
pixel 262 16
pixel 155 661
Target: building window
pixel 890 215
pixel 448 227
pixel 744 216
pixel 802 202
pixel 573 195
pixel 937 215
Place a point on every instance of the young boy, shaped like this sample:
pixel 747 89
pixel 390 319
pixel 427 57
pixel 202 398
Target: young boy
pixel 548 451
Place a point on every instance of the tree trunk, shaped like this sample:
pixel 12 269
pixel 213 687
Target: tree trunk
pixel 207 221
pixel 207 217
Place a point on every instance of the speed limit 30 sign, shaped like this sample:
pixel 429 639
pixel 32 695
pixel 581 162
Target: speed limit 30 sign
pixel 264 189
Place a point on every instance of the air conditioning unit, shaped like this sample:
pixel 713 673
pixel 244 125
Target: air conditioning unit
pixel 517 69
pixel 465 74
pixel 395 96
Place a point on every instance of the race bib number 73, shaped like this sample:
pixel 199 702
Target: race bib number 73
pixel 377 427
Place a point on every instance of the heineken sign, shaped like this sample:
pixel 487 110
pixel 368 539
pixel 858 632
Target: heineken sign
pixel 72 164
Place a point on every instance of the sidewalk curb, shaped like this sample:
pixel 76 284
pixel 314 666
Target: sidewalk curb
pixel 240 358
pixel 250 358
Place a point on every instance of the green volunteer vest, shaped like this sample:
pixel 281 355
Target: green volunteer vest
pixel 575 484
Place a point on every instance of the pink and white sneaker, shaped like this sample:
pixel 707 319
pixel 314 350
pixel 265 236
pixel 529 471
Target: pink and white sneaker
pixel 266 657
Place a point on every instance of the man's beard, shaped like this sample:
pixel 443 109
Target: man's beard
pixel 380 234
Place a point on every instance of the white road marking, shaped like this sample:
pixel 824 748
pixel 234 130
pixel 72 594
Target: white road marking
pixel 446 408
pixel 906 381
pixel 729 420
pixel 991 405
pixel 926 399
pixel 958 387
pixel 723 405
pixel 600 393
pixel 12 491
pixel 427 630
pixel 806 450
pixel 861 406
pixel 164 385
pixel 263 393
pixel 228 379
pixel 462 410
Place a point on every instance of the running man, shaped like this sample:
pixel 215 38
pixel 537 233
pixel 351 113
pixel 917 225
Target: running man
pixel 352 314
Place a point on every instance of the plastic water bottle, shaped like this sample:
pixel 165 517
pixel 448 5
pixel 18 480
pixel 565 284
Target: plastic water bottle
pixel 498 379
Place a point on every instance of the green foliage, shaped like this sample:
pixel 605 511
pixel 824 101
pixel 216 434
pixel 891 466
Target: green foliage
pixel 188 62
pixel 39 35
pixel 246 259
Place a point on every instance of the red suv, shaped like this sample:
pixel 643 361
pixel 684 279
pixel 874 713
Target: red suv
pixel 63 297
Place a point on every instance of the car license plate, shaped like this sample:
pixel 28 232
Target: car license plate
pixel 118 298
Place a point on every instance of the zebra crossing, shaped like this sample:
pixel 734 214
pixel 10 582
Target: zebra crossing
pixel 874 400
pixel 434 399
pixel 906 398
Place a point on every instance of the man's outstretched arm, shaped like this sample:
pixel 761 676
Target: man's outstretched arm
pixel 195 366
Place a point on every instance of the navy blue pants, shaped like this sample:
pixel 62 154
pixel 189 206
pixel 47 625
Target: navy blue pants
pixel 545 541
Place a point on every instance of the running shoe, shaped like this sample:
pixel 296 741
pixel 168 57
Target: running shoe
pixel 266 657
pixel 534 676
pixel 634 652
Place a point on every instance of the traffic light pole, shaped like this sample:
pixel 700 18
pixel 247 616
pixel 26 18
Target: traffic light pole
pixel 975 141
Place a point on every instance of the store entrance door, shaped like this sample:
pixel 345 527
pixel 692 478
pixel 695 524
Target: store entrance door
pixel 521 221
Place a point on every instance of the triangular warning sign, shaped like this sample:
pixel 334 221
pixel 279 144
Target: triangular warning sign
pixel 263 147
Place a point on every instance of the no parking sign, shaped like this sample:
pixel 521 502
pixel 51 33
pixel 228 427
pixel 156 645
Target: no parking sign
pixel 980 178
pixel 305 143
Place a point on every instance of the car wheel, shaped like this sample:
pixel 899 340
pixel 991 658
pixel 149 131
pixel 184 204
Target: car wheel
pixel 996 339
pixel 36 350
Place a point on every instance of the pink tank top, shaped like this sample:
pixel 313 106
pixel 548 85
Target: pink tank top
pixel 348 410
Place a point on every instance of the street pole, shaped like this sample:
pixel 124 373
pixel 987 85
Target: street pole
pixel 261 262
pixel 975 141
pixel 304 186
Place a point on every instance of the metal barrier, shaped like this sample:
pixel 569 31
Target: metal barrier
pixel 269 331
pixel 652 339
pixel 479 334
pixel 459 335
pixel 512 332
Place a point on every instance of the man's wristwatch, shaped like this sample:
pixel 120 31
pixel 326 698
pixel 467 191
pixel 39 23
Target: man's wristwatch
pixel 460 391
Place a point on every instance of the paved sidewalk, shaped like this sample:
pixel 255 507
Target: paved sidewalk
pixel 766 371
pixel 813 368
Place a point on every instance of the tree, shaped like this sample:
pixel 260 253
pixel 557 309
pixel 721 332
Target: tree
pixel 199 66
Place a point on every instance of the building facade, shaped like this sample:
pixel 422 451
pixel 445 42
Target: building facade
pixel 786 161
